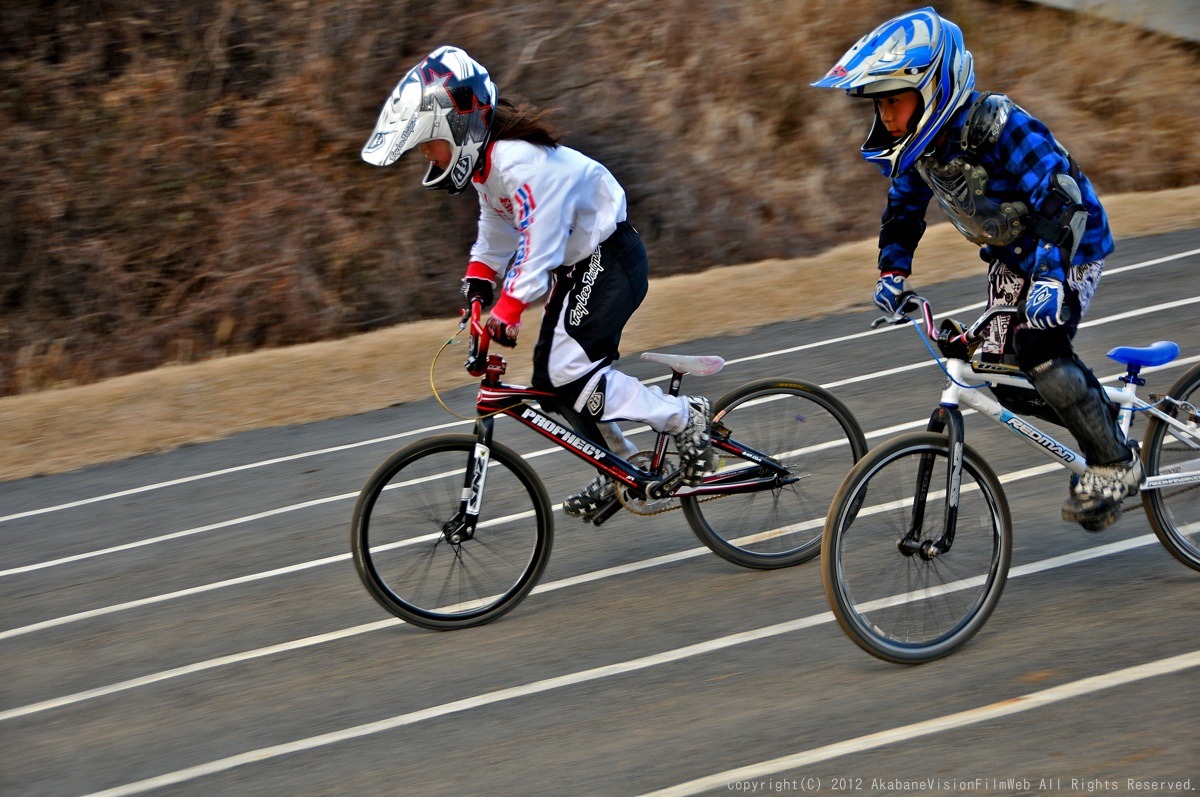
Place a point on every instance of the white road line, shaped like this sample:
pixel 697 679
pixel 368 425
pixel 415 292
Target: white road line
pixel 169 596
pixel 226 471
pixel 192 669
pixel 307 504
pixel 175 535
pixel 584 578
pixel 908 733
pixel 430 429
pixel 532 455
pixel 634 665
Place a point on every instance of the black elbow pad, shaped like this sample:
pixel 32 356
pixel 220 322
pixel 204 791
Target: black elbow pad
pixel 1063 216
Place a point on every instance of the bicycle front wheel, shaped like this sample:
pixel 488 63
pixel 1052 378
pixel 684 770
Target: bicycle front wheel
pixel 1174 511
pixel 813 436
pixel 893 592
pixel 413 564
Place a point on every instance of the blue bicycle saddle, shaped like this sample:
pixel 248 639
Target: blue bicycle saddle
pixel 1158 353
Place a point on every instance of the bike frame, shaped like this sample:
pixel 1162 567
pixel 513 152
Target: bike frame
pixel 962 388
pixel 1125 398
pixel 514 401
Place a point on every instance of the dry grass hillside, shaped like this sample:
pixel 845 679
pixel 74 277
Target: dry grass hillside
pixel 57 430
pixel 181 180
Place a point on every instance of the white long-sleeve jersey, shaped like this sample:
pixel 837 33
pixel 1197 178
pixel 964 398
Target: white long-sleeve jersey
pixel 541 208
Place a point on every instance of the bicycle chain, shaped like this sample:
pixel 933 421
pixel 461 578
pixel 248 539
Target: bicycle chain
pixel 636 505
pixel 631 504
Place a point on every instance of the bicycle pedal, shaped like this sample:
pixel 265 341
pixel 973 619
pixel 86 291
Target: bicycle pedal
pixel 605 512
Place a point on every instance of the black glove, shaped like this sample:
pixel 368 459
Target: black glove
pixel 479 288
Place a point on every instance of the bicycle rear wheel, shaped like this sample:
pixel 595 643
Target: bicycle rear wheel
pixel 802 427
pixel 1174 511
pixel 896 601
pixel 402 551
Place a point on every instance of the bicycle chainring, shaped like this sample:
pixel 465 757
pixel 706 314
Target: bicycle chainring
pixel 644 507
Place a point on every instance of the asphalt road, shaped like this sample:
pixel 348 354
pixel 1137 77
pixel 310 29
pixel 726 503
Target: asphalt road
pixel 191 623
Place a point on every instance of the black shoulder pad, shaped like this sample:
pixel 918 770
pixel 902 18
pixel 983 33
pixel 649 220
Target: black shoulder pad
pixel 987 118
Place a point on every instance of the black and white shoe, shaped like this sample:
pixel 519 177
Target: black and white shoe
pixel 694 443
pixel 585 503
pixel 1095 501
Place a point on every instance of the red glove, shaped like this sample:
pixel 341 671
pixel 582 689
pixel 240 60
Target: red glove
pixel 505 320
pixel 502 332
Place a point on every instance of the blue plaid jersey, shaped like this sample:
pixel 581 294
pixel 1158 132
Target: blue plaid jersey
pixel 1020 166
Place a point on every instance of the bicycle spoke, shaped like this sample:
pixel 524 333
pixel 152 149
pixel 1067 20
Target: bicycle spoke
pixel 813 437
pixel 912 607
pixel 410 567
pixel 1174 509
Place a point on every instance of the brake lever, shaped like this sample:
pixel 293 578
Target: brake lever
pixel 903 306
pixel 897 319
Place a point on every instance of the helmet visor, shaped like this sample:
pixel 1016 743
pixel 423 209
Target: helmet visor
pixel 401 125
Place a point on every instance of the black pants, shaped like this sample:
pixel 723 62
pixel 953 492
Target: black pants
pixel 589 305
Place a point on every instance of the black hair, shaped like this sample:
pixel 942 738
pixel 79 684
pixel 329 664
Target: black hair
pixel 521 120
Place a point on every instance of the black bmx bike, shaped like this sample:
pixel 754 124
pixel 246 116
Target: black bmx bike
pixel 455 530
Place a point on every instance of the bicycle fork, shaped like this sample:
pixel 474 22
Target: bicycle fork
pixel 461 527
pixel 946 419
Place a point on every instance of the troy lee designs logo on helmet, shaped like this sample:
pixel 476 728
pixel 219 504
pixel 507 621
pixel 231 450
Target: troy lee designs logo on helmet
pixel 398 148
pixel 462 169
pixel 376 142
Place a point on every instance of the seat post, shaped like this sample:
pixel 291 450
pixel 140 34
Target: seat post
pixel 1132 375
pixel 676 382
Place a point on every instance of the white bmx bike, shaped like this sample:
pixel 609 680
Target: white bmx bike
pixel 918 539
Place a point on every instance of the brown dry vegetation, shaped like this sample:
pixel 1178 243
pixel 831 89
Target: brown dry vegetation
pixel 181 180
pixel 57 430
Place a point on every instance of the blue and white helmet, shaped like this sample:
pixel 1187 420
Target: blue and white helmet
pixel 447 96
pixel 918 50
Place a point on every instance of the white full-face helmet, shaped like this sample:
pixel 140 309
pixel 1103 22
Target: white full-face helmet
pixel 448 96
pixel 918 51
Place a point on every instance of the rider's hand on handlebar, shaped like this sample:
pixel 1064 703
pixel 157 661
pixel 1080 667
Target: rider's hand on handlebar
pixel 478 288
pixel 1046 308
pixel 503 332
pixel 889 291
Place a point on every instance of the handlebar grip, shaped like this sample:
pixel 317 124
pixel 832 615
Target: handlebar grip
pixel 909 302
pixel 477 345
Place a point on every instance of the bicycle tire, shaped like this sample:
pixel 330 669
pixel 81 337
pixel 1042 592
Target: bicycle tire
pixel 906 608
pixel 411 569
pixel 1174 512
pixel 811 432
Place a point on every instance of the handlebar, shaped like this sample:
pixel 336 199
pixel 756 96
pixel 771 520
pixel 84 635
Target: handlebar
pixel 477 345
pixel 910 302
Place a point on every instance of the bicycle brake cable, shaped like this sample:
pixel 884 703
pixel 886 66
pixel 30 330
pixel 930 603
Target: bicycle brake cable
pixel 453 339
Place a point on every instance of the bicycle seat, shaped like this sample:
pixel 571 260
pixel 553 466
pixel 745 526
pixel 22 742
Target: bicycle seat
pixel 1160 352
pixel 687 364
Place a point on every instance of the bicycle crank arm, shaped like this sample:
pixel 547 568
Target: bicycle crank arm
pixel 608 510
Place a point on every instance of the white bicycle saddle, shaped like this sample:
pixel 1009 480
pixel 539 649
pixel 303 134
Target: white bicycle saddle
pixel 687 364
